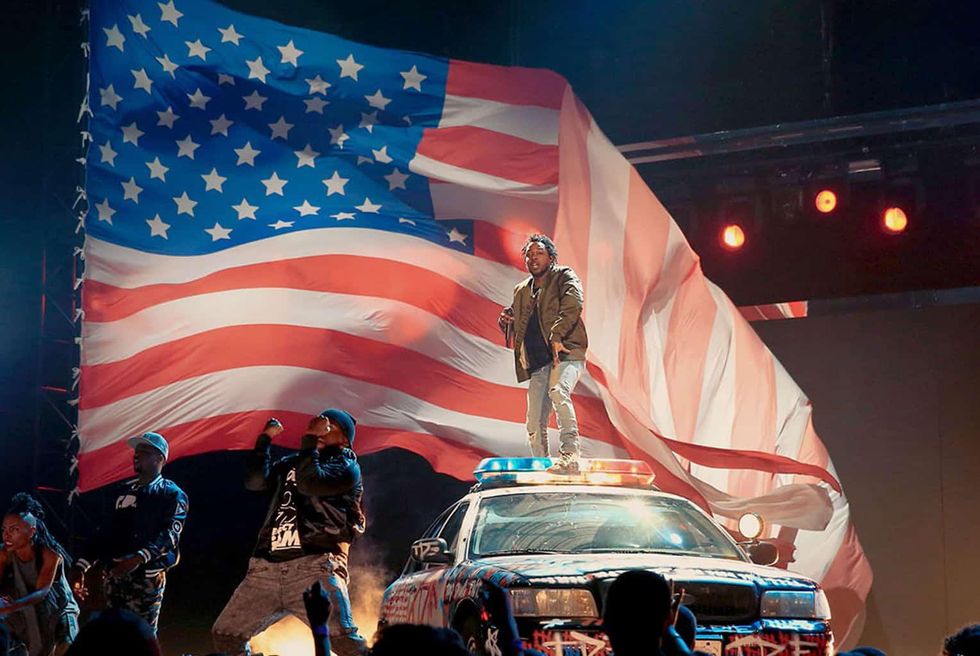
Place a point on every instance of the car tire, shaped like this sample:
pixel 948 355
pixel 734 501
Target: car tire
pixel 472 634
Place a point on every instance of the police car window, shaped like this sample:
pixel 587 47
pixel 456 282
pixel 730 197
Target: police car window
pixel 587 522
pixel 450 532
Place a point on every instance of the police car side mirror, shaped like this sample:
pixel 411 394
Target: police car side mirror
pixel 431 550
pixel 762 553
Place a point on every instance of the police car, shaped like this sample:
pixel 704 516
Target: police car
pixel 555 543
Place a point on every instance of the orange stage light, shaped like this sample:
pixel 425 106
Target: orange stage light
pixel 894 220
pixel 825 201
pixel 732 237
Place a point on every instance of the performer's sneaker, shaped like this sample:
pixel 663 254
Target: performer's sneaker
pixel 566 463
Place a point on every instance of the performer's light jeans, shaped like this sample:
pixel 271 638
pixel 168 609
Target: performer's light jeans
pixel 270 591
pixel 551 387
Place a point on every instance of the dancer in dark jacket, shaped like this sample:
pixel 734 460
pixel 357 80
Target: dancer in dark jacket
pixel 314 516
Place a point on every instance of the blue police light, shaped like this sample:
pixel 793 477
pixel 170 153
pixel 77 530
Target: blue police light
pixel 506 468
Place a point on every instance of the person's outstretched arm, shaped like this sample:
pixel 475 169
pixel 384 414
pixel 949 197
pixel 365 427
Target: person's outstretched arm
pixel 318 612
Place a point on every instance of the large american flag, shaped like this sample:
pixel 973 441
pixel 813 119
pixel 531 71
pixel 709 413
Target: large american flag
pixel 281 220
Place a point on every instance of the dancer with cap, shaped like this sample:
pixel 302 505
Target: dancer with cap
pixel 141 540
pixel 314 516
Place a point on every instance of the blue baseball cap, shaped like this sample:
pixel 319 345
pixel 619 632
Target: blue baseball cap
pixel 156 440
pixel 343 419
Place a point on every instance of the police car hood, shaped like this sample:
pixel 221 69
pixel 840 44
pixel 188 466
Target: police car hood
pixel 571 569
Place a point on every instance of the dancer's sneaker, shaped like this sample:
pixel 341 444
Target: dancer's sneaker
pixel 566 463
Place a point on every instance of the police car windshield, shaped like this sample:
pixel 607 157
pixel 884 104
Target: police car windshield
pixel 587 522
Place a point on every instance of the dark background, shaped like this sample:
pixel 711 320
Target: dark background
pixel 895 391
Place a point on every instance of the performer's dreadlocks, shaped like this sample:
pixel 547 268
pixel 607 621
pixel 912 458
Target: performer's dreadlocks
pixel 26 506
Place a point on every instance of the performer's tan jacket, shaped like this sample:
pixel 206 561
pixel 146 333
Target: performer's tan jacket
pixel 559 310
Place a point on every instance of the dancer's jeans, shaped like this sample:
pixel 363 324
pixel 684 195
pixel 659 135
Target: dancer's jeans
pixel 551 387
pixel 271 591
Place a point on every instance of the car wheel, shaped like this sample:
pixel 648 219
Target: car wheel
pixel 472 634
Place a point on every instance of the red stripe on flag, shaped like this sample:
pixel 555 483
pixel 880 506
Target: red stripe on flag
pixel 498 244
pixel 646 230
pixel 392 280
pixel 574 219
pixel 692 317
pixel 492 153
pixel 754 426
pixel 513 85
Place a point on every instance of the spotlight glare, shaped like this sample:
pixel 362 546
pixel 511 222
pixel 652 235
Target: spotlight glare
pixel 825 201
pixel 894 220
pixel 732 237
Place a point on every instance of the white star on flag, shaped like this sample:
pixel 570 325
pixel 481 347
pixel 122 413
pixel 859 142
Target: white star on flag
pixel 218 232
pixel 184 204
pixel 335 184
pixel 368 207
pixel 343 216
pixel 290 53
pixel 396 180
pixel 167 118
pixel 381 155
pixel 456 236
pixel 198 99
pixel 306 157
pixel 139 27
pixel 197 49
pixel 404 220
pixel 246 154
pixel 157 227
pixel 108 154
pixel 281 224
pixel 224 78
pixel 378 100
pixel 141 80
pixel 245 211
pixel 132 134
pixel 361 159
pixel 186 147
pixel 131 190
pixel 213 181
pixel 229 35
pixel 306 209
pixel 274 185
pixel 280 129
pixel 105 211
pixel 108 97
pixel 349 67
pixel 338 136
pixel 168 66
pixel 413 79
pixel 317 84
pixel 220 125
pixel 257 69
pixel 114 38
pixel 254 101
pixel 169 13
pixel 157 170
pixel 368 121
pixel 315 105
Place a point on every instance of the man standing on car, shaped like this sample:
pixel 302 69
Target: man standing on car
pixel 314 516
pixel 545 328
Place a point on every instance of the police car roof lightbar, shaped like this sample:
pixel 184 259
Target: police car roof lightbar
pixel 534 471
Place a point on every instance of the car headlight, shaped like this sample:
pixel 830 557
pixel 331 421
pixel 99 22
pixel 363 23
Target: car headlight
pixel 786 604
pixel 552 602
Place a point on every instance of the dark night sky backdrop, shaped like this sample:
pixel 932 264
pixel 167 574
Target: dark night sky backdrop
pixel 646 70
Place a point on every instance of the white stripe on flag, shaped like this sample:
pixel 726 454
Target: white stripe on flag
pixel 431 168
pixel 537 124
